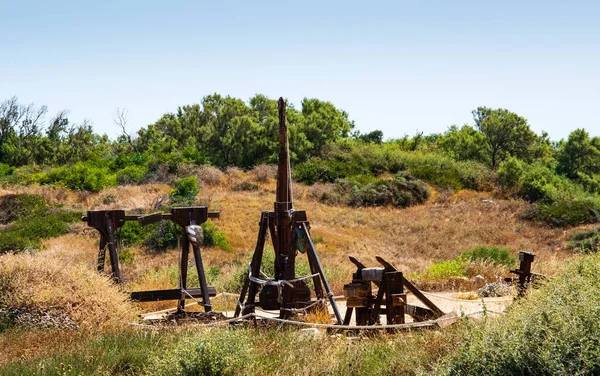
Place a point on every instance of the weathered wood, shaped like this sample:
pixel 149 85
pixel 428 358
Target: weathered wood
pixel 419 313
pixel 311 250
pixel 183 269
pixel 201 278
pixel 255 265
pixel 173 294
pixel 423 298
pixel 394 289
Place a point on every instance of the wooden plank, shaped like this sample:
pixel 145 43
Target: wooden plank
pixel 174 294
pixel 419 313
pixel 423 298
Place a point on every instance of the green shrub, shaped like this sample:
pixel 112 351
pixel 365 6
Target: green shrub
pixel 162 236
pixel 493 254
pixel 109 199
pixel 435 169
pixel 126 256
pixel 554 331
pixel 27 232
pixel 215 238
pixel 185 192
pixel 591 183
pixel 586 241
pixel 539 183
pixel 441 270
pixel 131 233
pixel 223 352
pixel 131 175
pixel 245 186
pixel 565 212
pixel 475 176
pixel 402 191
pixel 81 176
pixel 317 170
pixel 363 190
pixel 13 207
pixel 6 170
pixel 510 174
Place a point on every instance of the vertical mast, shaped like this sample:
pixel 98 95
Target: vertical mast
pixel 284 178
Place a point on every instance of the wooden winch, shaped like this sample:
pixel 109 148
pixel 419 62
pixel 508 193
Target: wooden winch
pixel 389 300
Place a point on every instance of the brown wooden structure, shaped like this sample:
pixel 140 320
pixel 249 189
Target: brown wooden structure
pixel 107 222
pixel 389 300
pixel 524 274
pixel 289 232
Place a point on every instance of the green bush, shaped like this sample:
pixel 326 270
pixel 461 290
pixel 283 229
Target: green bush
pixel 586 241
pixel 317 170
pixel 566 212
pixel 476 176
pixel 223 352
pixel 27 232
pixel 402 191
pixel 245 185
pixel 493 254
pixel 185 192
pixel 6 170
pixel 215 238
pixel 13 207
pixel 441 270
pixel 81 176
pixel 510 174
pixel 131 233
pixel 162 236
pixel 131 175
pixel 554 331
pixel 364 190
pixel 539 183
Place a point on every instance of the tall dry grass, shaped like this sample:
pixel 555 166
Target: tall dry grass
pixel 47 283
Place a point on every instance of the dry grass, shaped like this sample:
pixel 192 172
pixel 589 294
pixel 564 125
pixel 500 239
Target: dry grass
pixel 47 283
pixel 263 173
pixel 411 239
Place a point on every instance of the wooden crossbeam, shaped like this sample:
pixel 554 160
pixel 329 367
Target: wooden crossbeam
pixel 173 294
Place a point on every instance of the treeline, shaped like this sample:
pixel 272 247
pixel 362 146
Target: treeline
pixel 498 152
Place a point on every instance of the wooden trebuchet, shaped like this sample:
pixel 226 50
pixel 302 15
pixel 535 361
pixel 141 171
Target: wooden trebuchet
pixel 289 232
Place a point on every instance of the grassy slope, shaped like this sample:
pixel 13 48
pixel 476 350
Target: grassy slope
pixel 412 239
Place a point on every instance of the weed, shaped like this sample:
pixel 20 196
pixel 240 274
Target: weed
pixel 81 176
pixel 245 185
pixel 586 241
pixel 493 254
pixel 109 199
pixel 185 192
pixel 215 238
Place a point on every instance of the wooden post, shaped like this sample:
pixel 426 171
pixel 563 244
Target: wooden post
pixel 254 268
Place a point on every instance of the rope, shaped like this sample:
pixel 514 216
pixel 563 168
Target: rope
pixel 299 310
pixel 333 326
pixel 461 300
pixel 278 283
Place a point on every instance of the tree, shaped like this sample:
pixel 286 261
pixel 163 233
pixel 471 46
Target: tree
pixel 506 134
pixel 20 131
pixel 580 154
pixel 375 137
pixel 323 123
pixel 464 143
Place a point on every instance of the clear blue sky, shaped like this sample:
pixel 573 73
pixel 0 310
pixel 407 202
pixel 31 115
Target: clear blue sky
pixel 398 66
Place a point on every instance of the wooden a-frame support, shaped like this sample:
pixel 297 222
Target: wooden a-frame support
pixel 302 241
pixel 189 219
